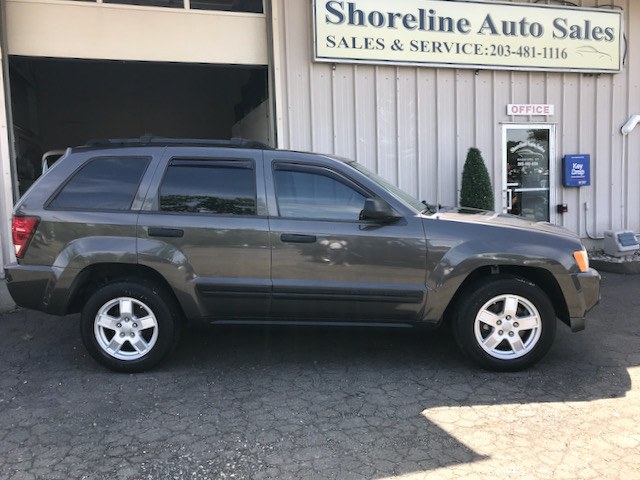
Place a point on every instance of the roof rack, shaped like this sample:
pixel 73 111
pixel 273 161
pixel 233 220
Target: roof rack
pixel 234 142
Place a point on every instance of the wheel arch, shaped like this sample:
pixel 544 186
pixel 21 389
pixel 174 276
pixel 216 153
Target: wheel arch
pixel 95 276
pixel 542 278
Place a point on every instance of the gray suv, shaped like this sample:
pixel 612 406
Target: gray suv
pixel 142 236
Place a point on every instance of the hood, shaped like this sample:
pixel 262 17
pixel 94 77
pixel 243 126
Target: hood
pixel 484 217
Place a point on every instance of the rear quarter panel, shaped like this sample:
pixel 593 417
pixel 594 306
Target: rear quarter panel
pixel 68 240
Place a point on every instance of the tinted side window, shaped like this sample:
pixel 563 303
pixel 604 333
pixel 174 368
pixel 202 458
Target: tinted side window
pixel 212 187
pixel 106 183
pixel 314 194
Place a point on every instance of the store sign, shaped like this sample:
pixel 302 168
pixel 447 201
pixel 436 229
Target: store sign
pixel 530 109
pixel 468 35
pixel 576 170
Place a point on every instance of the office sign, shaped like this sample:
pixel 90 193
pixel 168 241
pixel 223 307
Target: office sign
pixel 530 109
pixel 468 35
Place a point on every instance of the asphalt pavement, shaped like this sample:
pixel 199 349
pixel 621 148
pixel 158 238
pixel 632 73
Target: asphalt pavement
pixel 319 403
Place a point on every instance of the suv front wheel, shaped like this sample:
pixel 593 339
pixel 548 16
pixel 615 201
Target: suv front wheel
pixel 128 326
pixel 505 323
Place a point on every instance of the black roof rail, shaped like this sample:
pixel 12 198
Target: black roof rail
pixel 234 142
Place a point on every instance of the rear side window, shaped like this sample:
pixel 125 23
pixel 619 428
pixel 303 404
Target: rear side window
pixel 105 183
pixel 209 187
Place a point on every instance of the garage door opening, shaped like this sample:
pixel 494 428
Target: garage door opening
pixel 58 103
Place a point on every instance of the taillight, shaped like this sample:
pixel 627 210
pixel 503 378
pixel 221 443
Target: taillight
pixel 23 229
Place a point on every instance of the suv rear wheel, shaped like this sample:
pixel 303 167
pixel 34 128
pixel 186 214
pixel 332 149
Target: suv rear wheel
pixel 505 324
pixel 128 326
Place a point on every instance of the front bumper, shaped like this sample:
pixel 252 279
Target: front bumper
pixel 587 286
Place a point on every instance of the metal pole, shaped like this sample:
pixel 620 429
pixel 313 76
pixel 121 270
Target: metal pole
pixel 8 183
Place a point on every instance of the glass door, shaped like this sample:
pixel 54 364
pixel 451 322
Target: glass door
pixel 528 153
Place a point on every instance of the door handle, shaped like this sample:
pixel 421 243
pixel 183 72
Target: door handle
pixel 165 232
pixel 297 238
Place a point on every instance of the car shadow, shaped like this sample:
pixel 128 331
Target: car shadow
pixel 297 402
pixel 355 395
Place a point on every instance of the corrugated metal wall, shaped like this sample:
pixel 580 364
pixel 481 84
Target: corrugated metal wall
pixel 414 125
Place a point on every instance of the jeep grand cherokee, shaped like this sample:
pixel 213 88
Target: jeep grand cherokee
pixel 143 235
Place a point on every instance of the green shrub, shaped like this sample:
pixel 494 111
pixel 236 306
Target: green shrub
pixel 476 191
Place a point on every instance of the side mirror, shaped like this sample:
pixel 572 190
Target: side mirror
pixel 376 209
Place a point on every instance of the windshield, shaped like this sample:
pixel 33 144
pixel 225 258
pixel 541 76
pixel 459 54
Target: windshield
pixel 389 187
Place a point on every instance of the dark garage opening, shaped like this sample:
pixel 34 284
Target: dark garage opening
pixel 57 103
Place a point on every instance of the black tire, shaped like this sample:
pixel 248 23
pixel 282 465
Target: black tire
pixel 488 332
pixel 138 327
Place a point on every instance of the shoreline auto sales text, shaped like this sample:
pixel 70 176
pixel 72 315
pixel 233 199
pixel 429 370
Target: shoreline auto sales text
pixel 444 32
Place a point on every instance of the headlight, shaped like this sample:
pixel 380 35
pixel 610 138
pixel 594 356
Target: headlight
pixel 582 259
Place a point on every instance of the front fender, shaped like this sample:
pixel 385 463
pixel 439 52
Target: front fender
pixel 457 251
pixel 446 281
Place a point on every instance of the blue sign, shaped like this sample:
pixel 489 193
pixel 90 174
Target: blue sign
pixel 576 170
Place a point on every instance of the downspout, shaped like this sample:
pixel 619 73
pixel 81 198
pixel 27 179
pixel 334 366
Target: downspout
pixel 626 129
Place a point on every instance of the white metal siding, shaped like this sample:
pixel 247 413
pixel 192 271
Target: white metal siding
pixel 70 29
pixel 414 125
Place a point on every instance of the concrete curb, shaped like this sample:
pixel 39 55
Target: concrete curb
pixel 626 267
